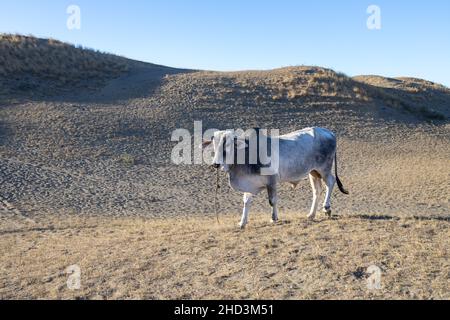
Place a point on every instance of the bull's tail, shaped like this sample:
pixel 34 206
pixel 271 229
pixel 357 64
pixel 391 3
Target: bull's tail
pixel 338 181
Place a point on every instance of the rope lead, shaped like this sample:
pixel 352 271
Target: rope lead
pixel 216 195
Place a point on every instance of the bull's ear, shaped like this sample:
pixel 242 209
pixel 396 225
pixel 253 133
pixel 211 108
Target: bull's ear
pixel 241 144
pixel 206 143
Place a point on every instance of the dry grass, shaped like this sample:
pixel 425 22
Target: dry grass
pixel 305 84
pixel 416 96
pixel 127 160
pixel 126 258
pixel 26 63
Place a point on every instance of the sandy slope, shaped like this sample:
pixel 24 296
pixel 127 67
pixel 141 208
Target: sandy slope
pixel 113 157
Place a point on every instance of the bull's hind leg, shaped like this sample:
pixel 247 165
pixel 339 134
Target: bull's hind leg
pixel 330 181
pixel 314 178
pixel 247 202
pixel 273 199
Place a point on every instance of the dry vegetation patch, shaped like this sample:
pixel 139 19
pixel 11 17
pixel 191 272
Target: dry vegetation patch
pixel 33 66
pixel 190 258
pixel 305 84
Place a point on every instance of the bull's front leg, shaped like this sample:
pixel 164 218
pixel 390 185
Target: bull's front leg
pixel 248 197
pixel 273 199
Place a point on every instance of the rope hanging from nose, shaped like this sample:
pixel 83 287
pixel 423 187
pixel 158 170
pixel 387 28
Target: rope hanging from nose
pixel 216 195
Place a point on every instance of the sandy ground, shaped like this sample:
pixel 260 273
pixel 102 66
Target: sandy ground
pixel 88 181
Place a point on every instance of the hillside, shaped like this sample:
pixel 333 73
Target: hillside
pixel 412 94
pixel 33 68
pixel 39 69
pixel 85 172
pixel 107 149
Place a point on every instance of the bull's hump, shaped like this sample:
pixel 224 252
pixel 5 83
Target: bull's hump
pixel 325 133
pixel 307 131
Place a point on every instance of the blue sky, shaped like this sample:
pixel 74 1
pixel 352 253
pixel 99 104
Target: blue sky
pixel 414 39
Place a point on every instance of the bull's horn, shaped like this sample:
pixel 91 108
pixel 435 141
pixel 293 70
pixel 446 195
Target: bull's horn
pixel 206 143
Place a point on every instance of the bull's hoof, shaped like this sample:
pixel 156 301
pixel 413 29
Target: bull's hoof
pixel 327 211
pixel 242 226
pixel 274 220
pixel 311 217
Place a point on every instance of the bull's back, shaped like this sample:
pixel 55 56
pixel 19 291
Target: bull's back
pixel 303 151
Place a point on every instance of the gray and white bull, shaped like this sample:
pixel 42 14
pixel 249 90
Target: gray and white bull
pixel 310 151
